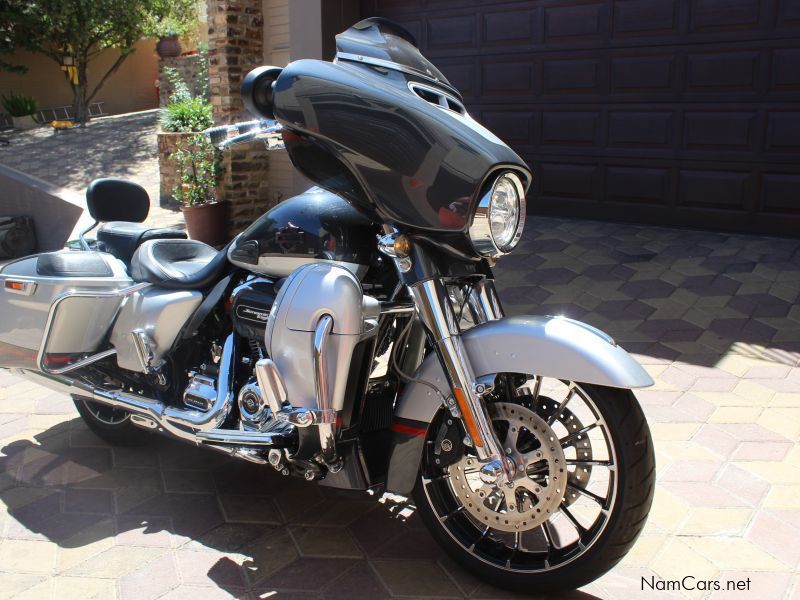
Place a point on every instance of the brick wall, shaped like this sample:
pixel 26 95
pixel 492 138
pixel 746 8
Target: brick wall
pixel 236 45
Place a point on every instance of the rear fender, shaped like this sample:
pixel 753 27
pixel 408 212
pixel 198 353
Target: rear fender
pixel 553 347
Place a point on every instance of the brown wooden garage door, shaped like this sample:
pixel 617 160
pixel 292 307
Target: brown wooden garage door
pixel 674 112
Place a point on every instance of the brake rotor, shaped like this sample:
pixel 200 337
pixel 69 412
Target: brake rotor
pixel 540 481
pixel 579 477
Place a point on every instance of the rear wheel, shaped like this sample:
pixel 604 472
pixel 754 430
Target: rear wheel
pixel 111 424
pixel 584 484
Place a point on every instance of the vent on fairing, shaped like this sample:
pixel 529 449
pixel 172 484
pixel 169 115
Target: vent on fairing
pixel 437 97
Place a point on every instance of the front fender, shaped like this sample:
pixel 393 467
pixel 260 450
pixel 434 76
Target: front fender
pixel 548 346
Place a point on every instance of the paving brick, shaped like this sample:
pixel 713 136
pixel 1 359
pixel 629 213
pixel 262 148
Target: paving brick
pixel 325 542
pixel 428 580
pixel 717 521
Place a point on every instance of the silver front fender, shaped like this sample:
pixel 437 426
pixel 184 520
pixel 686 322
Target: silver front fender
pixel 548 346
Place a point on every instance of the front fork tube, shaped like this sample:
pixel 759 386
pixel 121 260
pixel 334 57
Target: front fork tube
pixel 437 315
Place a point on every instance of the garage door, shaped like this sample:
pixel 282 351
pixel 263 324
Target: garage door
pixel 673 112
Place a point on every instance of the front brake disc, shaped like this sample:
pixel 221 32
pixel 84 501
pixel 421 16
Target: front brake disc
pixel 539 485
pixel 579 477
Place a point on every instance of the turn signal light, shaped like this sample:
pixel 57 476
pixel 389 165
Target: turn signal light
pixel 466 416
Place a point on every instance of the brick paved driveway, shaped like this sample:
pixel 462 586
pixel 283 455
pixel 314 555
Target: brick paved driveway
pixel 714 318
pixel 121 146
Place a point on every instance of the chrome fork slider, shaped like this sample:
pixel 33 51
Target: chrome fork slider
pixel 437 314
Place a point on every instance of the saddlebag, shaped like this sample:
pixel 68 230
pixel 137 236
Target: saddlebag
pixel 78 288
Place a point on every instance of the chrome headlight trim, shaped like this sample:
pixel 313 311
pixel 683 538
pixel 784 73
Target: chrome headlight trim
pixel 480 231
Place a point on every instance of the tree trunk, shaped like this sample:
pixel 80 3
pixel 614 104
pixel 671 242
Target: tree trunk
pixel 80 108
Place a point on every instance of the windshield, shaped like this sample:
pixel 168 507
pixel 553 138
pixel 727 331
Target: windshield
pixel 382 43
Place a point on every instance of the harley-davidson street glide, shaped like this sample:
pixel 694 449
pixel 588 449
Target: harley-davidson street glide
pixel 352 335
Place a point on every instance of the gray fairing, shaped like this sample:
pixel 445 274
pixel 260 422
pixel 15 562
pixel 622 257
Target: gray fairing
pixel 548 346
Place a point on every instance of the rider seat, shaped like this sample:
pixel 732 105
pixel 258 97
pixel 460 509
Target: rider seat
pixel 179 264
pixel 123 205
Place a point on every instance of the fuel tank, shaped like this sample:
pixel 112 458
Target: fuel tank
pixel 316 226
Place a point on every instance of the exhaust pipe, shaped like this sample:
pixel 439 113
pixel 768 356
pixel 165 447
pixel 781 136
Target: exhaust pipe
pixel 192 425
pixel 182 423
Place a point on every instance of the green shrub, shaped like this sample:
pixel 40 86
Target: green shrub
pixel 186 115
pixel 19 105
pixel 198 169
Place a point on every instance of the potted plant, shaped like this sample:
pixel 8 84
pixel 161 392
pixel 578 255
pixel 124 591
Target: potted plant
pixel 198 168
pixel 21 108
pixel 177 19
pixel 180 119
pixel 168 45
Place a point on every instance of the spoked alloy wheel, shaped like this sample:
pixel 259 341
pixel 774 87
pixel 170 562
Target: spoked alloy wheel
pixel 583 486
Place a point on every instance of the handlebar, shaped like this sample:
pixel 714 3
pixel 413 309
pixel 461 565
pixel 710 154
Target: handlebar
pixel 267 130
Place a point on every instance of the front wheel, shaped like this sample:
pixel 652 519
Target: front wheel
pixel 582 491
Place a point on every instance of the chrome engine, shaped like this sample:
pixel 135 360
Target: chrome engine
pixel 296 391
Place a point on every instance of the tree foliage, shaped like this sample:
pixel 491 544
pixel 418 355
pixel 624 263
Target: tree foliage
pixel 74 32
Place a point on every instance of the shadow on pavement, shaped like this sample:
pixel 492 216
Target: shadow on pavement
pixel 168 513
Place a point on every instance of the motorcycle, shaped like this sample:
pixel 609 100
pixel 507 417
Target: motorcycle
pixel 353 335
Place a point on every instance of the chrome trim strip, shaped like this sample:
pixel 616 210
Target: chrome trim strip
pixel 82 362
pixel 238 437
pixel 51 315
pixel 321 385
pixel 392 66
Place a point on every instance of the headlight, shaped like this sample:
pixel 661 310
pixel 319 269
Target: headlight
pixel 497 225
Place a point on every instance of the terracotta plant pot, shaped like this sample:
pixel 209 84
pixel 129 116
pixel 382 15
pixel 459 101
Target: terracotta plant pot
pixel 207 222
pixel 168 46
pixel 26 122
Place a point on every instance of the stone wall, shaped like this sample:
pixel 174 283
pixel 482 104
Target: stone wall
pixel 236 45
pixel 188 67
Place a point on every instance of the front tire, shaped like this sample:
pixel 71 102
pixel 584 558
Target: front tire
pixel 111 424
pixel 520 540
